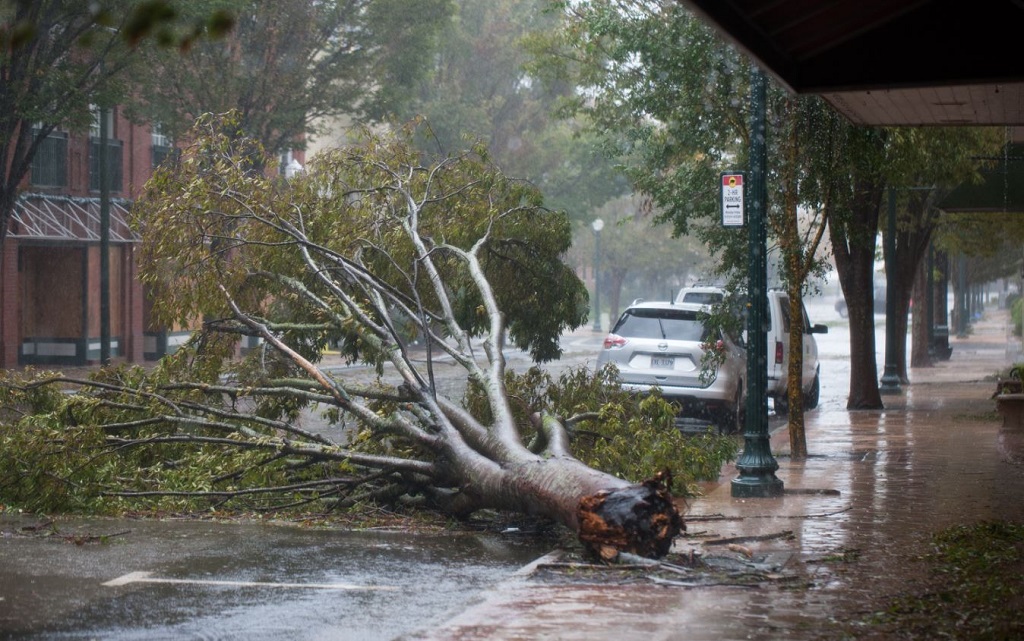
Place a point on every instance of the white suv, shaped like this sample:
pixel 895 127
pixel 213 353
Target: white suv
pixel 777 345
pixel 662 345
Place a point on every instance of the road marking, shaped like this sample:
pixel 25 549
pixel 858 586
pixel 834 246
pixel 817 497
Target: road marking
pixel 144 577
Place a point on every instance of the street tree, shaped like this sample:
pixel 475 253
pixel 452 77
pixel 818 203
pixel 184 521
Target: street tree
pixel 294 68
pixel 925 164
pixel 481 85
pixel 56 60
pixel 672 100
pixel 372 246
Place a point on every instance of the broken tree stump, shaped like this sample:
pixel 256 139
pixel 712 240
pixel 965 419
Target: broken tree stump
pixel 639 519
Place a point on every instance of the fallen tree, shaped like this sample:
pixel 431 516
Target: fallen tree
pixel 396 262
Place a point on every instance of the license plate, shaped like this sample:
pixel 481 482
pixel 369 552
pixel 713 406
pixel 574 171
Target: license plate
pixel 662 362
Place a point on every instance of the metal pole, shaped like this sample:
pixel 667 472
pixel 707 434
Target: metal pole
pixel 929 300
pixel 757 465
pixel 890 377
pixel 597 278
pixel 961 297
pixel 104 176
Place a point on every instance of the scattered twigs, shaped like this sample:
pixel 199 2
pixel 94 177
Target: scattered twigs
pixel 785 534
pixel 691 518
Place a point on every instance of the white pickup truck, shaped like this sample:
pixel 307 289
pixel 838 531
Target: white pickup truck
pixel 777 345
pixel 778 354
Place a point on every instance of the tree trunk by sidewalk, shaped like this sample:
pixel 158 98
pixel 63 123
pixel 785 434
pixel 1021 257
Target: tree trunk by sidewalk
pixel 920 352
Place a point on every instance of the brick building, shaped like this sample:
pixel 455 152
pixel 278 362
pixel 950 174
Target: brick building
pixel 51 272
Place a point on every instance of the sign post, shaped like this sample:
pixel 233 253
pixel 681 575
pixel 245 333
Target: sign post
pixel 732 200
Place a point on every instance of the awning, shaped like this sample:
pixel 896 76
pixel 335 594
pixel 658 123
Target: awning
pixel 1001 188
pixel 48 217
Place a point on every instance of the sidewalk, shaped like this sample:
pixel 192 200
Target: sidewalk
pixel 877 485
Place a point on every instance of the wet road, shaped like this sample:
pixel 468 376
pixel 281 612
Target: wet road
pixel 202 580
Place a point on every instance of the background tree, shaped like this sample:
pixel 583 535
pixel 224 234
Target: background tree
pixel 925 165
pixel 292 68
pixel 480 86
pixel 638 258
pixel 59 57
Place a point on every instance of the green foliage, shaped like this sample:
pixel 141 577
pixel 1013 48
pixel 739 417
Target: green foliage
pixel 43 459
pixel 975 592
pixel 481 86
pixel 625 434
pixel 352 205
pixel 293 68
pixel 110 452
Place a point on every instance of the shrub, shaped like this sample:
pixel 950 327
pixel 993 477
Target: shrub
pixel 629 435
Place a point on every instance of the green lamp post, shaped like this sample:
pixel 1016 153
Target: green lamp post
pixel 757 465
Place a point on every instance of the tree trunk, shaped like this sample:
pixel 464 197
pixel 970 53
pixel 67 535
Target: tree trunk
pixel 797 432
pixel 608 514
pixel 920 353
pixel 614 289
pixel 912 241
pixel 853 245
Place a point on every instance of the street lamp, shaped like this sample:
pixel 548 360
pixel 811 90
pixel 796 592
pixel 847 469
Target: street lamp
pixel 757 465
pixel 597 226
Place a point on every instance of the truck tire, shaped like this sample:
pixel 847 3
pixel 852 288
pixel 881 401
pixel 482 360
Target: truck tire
pixel 811 397
pixel 731 419
pixel 781 404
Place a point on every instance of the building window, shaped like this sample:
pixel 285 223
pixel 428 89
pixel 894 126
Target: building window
pixel 162 146
pixel 114 173
pixel 50 164
pixel 97 114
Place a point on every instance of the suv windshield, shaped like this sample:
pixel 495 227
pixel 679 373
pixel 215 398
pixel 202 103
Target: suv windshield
pixel 669 324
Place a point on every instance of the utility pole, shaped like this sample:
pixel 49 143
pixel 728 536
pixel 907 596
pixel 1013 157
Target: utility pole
pixel 104 176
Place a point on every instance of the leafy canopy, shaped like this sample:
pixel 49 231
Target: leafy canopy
pixel 214 224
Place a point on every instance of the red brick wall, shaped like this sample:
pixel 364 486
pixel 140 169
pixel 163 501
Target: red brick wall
pixel 10 305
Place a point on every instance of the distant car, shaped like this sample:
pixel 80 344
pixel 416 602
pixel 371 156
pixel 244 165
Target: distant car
pixel 879 303
pixel 701 295
pixel 662 345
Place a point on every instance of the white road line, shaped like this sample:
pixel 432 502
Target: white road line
pixel 144 577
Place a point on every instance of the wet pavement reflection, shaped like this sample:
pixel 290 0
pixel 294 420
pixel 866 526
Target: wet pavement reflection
pixel 877 485
pixel 206 580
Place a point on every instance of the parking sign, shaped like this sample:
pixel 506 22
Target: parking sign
pixel 732 200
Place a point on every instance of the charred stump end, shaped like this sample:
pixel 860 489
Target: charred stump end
pixel 639 519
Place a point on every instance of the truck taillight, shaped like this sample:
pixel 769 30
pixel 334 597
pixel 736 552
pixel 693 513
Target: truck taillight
pixel 778 352
pixel 614 340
